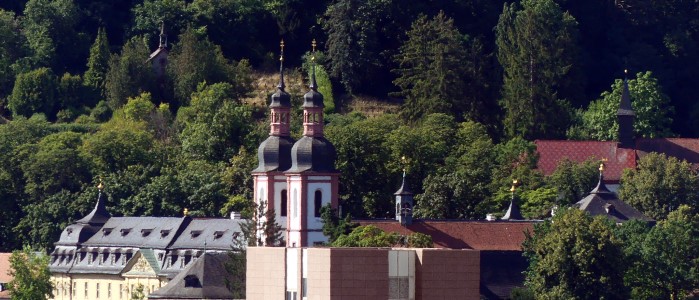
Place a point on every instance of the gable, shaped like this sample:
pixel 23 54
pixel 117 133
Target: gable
pixel 141 266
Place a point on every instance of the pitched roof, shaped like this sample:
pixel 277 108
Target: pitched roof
pixel 4 276
pixel 210 234
pixel 203 279
pixel 602 202
pixel 681 148
pixel 138 232
pixel 478 235
pixel 552 152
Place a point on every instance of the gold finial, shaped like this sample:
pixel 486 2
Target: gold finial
pixel 100 186
pixel 186 212
pixel 626 71
pixel 313 45
pixel 514 185
pixel 281 45
pixel 601 165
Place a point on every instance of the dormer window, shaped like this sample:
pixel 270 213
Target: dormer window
pixel 218 235
pixel 106 231
pixel 164 233
pixel 195 233
pixel 125 231
pixel 146 232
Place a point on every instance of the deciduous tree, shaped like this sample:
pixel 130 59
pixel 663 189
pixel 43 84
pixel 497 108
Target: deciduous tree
pixel 659 185
pixel 31 276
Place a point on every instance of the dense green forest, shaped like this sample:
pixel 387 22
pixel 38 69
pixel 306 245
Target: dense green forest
pixel 477 81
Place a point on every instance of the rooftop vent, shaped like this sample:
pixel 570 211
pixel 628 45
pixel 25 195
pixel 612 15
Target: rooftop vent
pixel 236 215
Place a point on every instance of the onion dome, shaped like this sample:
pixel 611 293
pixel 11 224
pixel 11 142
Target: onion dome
pixel 274 154
pixel 315 154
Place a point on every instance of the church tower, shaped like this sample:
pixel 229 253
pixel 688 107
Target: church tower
pixel 274 154
pixel 404 204
pixel 312 178
pixel 625 116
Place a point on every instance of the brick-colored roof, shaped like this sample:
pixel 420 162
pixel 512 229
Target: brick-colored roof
pixel 478 235
pixel 618 159
pixel 4 270
pixel 683 149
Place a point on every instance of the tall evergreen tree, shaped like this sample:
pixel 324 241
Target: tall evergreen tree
pixel 537 48
pixel 128 73
pixel 98 63
pixel 431 68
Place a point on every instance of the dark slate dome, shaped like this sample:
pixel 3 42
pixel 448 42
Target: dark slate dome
pixel 280 99
pixel 274 154
pixel 76 234
pixel 313 99
pixel 313 154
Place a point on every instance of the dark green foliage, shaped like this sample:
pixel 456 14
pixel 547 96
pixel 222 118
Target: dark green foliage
pixel 117 146
pixel 333 225
pixel 128 73
pixel 34 92
pixel 12 49
pixel 574 256
pixel 353 46
pixel 363 152
pixel 98 63
pixel 659 185
pixel 419 240
pixel 651 105
pixel 195 60
pixel 537 48
pixel 663 260
pixel 367 236
pixel 458 189
pixel 216 123
pixel 433 68
pixel 573 181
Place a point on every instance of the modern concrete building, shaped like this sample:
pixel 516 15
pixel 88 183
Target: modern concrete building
pixel 362 273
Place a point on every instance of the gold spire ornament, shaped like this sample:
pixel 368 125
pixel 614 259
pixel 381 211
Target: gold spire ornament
pixel 100 186
pixel 281 56
pixel 601 165
pixel 313 46
pixel 186 212
pixel 514 186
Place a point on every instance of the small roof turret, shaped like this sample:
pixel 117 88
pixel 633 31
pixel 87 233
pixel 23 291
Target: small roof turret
pixel 404 189
pixel 99 215
pixel 625 108
pixel 601 188
pixel 163 36
pixel 513 212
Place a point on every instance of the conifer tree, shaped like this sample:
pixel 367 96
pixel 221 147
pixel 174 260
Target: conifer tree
pixel 98 63
pixel 536 46
pixel 430 68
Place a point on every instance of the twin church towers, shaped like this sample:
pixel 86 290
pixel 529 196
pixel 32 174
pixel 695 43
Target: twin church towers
pixel 297 178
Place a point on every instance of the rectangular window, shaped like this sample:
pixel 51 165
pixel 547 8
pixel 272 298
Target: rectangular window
pixel 121 291
pixel 85 290
pixel 74 288
pixel 109 290
pixel 97 290
pixel 290 295
pixel 304 287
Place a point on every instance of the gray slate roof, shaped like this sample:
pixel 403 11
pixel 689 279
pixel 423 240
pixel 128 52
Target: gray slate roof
pixel 602 202
pixel 218 234
pixel 203 279
pixel 625 108
pixel 137 232
pixel 274 154
pixel 314 154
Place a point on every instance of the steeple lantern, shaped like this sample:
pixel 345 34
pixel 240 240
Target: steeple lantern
pixel 625 117
pixel 404 204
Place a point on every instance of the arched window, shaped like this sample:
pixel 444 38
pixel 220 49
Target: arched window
pixel 283 205
pixel 294 205
pixel 318 201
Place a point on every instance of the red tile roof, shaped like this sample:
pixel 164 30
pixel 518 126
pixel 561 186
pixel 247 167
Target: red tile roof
pixel 683 149
pixel 618 159
pixel 478 235
pixel 4 270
